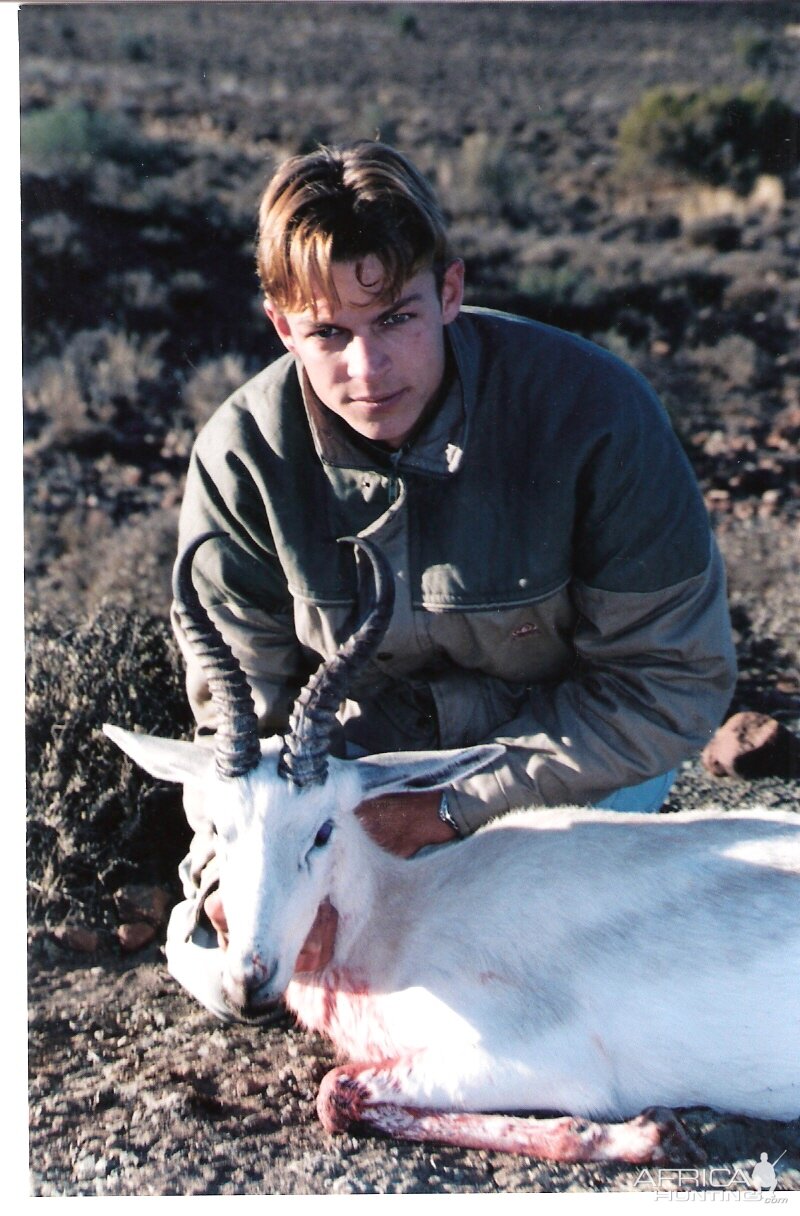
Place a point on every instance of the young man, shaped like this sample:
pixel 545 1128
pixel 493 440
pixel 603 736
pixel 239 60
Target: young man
pixel 558 588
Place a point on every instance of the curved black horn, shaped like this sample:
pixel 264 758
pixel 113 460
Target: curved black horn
pixel 304 758
pixel 237 747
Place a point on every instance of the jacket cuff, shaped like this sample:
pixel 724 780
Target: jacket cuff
pixel 470 810
pixel 483 796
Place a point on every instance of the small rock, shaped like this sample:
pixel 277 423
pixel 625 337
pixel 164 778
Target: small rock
pixel 77 937
pixel 136 935
pixel 785 433
pixel 770 503
pixel 137 902
pixel 131 475
pixel 718 500
pixel 85 1167
pixel 753 745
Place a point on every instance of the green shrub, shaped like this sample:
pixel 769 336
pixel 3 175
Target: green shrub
pixel 72 136
pixel 714 135
pixel 374 123
pixel 559 286
pixel 138 48
pixel 405 21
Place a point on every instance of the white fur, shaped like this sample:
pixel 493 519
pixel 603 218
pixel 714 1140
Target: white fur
pixel 565 959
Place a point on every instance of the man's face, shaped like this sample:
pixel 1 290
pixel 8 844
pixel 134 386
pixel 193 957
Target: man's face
pixel 377 363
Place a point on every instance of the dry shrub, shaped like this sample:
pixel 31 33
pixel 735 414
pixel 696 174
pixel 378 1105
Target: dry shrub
pixel 485 177
pixel 95 821
pixel 57 235
pixel 734 359
pixel 99 377
pixel 211 384
pixel 122 564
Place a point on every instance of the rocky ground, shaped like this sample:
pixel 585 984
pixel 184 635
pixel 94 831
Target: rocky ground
pixel 153 128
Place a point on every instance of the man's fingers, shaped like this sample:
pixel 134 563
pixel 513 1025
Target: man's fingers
pixel 215 912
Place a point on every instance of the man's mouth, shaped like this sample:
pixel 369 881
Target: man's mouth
pixel 379 401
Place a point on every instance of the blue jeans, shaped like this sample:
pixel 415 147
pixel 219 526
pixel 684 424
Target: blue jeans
pixel 649 796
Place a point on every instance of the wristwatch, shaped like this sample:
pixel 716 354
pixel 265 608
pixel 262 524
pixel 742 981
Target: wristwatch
pixel 445 816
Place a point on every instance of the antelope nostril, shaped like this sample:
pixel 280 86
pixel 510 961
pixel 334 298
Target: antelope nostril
pixel 261 976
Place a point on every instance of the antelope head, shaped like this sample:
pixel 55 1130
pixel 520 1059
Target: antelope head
pixel 282 808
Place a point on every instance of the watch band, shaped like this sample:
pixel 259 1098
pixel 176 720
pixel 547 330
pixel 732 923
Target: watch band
pixel 445 815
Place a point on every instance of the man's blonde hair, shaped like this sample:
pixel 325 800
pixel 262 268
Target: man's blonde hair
pixel 343 205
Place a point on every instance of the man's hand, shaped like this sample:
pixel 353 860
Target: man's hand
pixel 405 823
pixel 216 914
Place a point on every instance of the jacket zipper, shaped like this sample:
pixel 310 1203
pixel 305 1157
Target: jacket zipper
pixel 394 481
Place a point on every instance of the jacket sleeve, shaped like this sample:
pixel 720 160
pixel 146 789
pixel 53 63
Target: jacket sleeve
pixel 653 676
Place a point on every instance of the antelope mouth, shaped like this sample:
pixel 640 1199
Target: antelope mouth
pixel 267 1016
pixel 256 1008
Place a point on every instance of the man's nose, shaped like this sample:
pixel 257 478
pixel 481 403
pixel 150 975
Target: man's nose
pixel 366 360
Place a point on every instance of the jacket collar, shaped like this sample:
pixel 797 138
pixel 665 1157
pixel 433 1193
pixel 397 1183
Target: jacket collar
pixel 437 450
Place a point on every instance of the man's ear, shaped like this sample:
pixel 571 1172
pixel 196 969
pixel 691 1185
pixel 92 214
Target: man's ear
pixel 452 290
pixel 281 324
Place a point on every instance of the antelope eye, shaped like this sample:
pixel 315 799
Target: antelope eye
pixel 324 834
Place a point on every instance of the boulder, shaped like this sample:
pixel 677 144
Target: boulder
pixel 753 745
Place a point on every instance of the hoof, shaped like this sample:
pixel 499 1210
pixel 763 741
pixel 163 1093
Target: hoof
pixel 340 1100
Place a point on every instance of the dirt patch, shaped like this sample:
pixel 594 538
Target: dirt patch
pixel 137 1091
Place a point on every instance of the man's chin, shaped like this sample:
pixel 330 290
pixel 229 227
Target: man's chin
pixel 392 435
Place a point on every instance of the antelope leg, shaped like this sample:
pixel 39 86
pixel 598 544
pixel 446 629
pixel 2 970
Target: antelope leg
pixel 655 1137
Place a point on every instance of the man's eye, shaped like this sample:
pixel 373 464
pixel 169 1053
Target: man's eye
pixel 326 332
pixel 398 318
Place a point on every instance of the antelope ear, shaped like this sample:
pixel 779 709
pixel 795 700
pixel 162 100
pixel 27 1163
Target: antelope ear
pixel 413 772
pixel 165 759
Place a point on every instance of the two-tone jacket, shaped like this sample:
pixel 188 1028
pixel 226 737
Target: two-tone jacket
pixel 558 586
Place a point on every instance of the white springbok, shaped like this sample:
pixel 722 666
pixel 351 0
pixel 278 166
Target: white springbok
pixel 564 960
